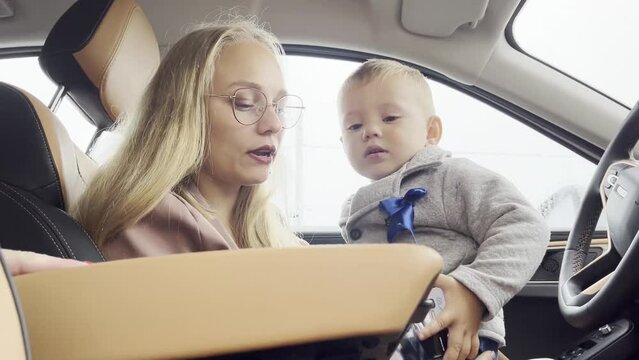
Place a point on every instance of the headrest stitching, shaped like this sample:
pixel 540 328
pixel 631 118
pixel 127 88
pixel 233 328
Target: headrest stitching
pixel 110 62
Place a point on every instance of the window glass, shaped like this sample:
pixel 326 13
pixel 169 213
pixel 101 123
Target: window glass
pixel 25 73
pixel 550 176
pixel 80 129
pixel 588 39
pixel 318 178
pixel 106 145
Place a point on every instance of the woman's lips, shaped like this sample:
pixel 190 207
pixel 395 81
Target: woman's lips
pixel 264 154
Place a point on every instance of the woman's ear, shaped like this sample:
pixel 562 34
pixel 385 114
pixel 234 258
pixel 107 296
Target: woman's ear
pixel 433 130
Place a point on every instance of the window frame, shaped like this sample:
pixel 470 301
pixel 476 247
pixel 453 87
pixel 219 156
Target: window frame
pixel 18 52
pixel 579 146
pixel 510 39
pixel 572 142
pixel 576 144
pixel 58 96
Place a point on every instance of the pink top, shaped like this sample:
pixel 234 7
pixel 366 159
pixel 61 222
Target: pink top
pixel 174 226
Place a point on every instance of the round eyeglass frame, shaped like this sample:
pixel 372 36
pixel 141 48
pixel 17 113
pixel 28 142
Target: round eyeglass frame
pixel 274 104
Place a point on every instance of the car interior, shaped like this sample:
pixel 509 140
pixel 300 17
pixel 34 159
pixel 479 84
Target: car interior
pixel 100 55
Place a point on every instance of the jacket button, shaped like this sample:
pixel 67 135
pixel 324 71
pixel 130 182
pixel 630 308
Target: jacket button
pixel 355 234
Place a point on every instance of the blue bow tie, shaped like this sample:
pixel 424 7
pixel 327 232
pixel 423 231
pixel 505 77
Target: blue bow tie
pixel 401 212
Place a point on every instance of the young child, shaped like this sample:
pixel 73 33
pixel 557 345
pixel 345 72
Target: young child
pixel 491 239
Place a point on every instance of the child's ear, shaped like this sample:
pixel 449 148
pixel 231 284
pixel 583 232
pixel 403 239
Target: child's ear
pixel 434 130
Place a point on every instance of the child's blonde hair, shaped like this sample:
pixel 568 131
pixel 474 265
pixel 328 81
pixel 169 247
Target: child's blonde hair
pixel 380 69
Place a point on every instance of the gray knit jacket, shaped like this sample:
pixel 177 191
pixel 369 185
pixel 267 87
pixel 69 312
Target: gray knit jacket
pixel 492 240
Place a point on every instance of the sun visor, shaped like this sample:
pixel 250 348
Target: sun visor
pixel 440 18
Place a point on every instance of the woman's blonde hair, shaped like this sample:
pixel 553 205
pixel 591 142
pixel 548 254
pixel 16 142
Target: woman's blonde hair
pixel 167 141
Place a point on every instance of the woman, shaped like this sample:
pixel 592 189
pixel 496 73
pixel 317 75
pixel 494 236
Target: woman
pixel 191 174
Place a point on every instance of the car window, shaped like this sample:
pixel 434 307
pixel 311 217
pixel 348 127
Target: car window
pixel 318 177
pixel 25 73
pixel 80 129
pixel 587 39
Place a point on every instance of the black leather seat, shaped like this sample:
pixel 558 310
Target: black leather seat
pixel 42 173
pixel 103 52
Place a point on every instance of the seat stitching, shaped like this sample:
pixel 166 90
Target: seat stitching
pixel 89 237
pixel 109 63
pixel 59 233
pixel 36 219
pixel 51 222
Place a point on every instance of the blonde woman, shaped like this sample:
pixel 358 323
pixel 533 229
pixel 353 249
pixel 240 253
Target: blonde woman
pixel 192 172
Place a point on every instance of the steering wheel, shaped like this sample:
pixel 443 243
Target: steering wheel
pixel 590 295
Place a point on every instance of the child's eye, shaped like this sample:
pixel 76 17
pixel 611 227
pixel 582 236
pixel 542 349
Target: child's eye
pixel 353 127
pixel 390 118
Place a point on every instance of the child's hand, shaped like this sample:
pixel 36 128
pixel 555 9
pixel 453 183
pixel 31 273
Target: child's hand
pixel 461 316
pixel 486 355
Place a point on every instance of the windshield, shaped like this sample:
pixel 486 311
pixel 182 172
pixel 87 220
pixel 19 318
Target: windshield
pixel 592 41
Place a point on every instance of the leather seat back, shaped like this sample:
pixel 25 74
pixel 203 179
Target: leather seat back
pixel 103 52
pixel 42 174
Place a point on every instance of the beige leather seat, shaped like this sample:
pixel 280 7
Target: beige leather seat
pixel 103 52
pixel 13 338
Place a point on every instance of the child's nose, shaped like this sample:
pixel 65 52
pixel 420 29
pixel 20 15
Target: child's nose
pixel 371 131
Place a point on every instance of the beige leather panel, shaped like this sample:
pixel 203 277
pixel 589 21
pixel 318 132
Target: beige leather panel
pixel 11 341
pixel 602 243
pixel 220 302
pixel 74 167
pixel 121 57
pixel 594 288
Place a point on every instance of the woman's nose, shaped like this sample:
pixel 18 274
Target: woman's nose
pixel 270 122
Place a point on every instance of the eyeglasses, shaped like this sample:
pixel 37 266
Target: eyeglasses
pixel 249 105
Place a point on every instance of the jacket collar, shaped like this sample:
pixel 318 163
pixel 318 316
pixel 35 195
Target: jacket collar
pixel 367 198
pixel 431 155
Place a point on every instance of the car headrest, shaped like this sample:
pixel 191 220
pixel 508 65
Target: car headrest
pixel 36 153
pixel 104 53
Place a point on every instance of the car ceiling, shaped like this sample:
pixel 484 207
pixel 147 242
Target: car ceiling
pixel 479 57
